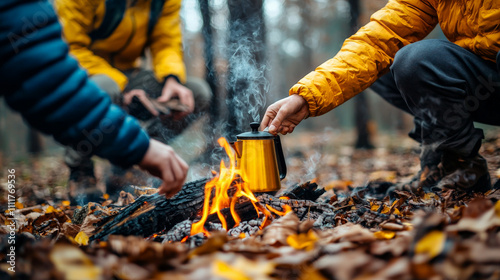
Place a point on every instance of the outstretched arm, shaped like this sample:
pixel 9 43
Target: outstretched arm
pixel 364 57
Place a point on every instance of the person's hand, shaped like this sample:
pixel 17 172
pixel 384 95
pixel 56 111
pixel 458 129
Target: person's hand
pixel 284 115
pixel 141 94
pixel 171 89
pixel 161 161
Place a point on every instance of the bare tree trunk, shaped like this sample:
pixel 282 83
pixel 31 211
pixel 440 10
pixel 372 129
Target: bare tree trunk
pixel 361 108
pixel 305 31
pixel 211 76
pixel 362 116
pixel 210 71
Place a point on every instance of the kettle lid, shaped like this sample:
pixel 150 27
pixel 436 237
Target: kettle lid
pixel 255 134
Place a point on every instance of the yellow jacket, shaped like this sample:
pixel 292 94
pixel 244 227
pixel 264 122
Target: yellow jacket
pixel 367 55
pixel 122 48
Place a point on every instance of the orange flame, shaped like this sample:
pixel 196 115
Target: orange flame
pixel 286 209
pixel 228 176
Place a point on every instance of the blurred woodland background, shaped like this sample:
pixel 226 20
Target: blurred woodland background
pixel 251 52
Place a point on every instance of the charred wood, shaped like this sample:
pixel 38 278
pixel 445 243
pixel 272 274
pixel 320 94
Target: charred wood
pixel 153 213
pixel 303 208
pixel 245 211
pixel 179 231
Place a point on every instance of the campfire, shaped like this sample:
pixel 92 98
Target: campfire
pixel 230 180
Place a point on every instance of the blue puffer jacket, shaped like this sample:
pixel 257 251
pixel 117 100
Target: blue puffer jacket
pixel 43 83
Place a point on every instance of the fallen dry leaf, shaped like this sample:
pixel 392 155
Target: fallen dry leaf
pixel 347 232
pixel 213 244
pixel 383 176
pixel 70 229
pixel 125 198
pixel 338 185
pixel 88 224
pixel 289 257
pixel 242 268
pixel 479 225
pixel 225 271
pixel 302 241
pixel 73 263
pixel 131 271
pixel 431 244
pixel 394 247
pixel 396 269
pixel 278 232
pixel 348 265
pixel 311 273
pixel 82 239
pixel 384 234
pixel 497 208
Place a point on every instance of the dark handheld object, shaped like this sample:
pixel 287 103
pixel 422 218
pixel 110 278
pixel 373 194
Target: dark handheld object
pixel 138 110
pixel 281 157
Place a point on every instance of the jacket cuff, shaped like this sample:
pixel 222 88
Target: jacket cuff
pixel 308 96
pixel 171 76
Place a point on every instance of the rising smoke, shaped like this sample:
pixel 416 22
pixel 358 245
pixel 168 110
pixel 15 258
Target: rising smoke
pixel 246 83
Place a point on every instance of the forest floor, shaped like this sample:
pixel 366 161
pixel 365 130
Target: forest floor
pixel 372 234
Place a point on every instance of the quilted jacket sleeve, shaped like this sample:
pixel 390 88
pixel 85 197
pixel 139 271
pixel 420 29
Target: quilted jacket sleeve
pixel 77 17
pixel 166 43
pixel 366 55
pixel 41 81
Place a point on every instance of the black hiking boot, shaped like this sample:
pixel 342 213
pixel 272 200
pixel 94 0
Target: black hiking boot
pixel 82 185
pixel 430 173
pixel 466 174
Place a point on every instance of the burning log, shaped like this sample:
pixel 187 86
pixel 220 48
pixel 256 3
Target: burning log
pixel 245 211
pixel 150 214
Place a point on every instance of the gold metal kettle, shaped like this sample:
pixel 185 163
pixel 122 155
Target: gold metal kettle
pixel 259 156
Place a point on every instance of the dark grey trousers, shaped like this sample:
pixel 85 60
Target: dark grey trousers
pixel 446 88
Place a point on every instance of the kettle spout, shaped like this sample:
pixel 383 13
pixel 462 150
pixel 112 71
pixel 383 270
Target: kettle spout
pixel 238 147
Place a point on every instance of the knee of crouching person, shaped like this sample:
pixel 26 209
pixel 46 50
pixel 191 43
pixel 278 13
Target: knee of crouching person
pixel 202 93
pixel 414 64
pixel 407 63
pixel 419 60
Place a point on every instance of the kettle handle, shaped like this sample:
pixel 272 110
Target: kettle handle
pixel 280 156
